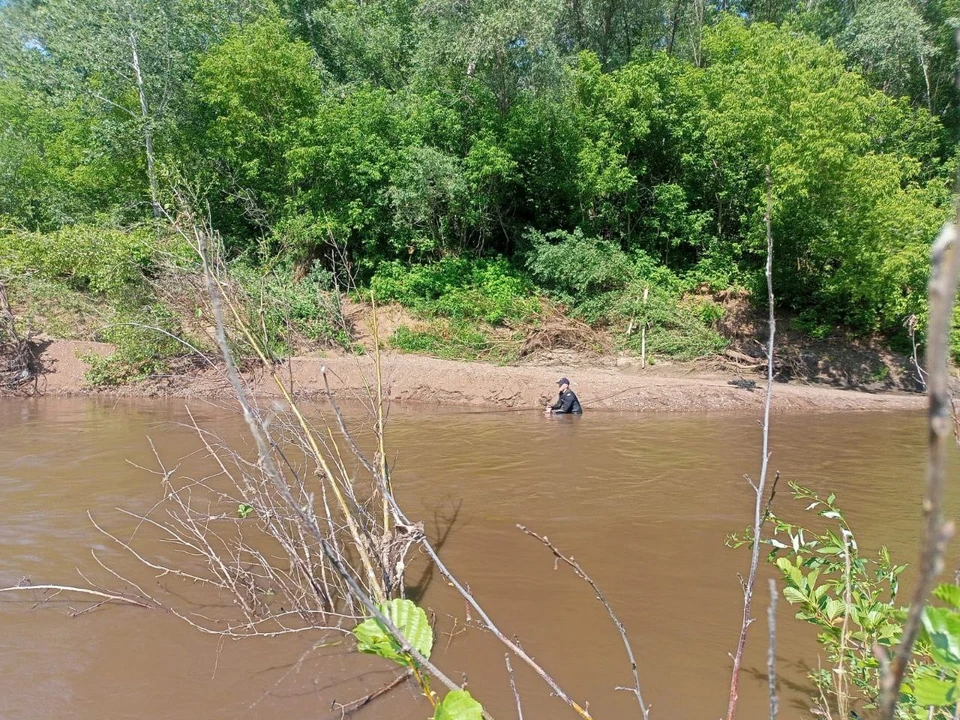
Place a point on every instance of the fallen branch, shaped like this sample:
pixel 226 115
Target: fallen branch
pixel 83 591
pixel 18 367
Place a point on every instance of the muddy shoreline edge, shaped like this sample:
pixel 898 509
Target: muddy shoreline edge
pixel 426 380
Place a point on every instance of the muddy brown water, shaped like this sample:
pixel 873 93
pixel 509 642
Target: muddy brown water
pixel 644 502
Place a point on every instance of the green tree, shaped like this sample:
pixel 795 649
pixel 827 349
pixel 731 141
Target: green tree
pixel 254 94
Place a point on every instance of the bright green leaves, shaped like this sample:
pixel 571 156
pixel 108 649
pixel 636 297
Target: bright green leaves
pixel 458 705
pixel 375 639
pixel 930 690
pixel 943 629
pixel 254 90
pixel 950 594
pixel 852 601
pixel 939 684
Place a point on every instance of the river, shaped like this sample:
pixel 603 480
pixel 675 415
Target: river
pixel 643 502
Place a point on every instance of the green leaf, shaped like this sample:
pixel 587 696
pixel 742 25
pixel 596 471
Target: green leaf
pixel 373 638
pixel 943 628
pixel 458 705
pixel 950 594
pixel 834 608
pixel 931 690
pixel 792 595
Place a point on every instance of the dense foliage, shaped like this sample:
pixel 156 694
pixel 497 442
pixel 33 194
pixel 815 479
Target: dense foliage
pixel 583 150
pixel 852 600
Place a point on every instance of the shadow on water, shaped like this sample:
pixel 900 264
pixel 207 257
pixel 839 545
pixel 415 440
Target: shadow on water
pixel 792 675
pixel 443 524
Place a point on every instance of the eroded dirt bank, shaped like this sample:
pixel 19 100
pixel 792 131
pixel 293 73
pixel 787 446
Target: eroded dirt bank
pixel 410 378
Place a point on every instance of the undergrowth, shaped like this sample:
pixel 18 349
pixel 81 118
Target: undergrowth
pixel 291 313
pixel 482 290
pixel 456 340
pixel 605 286
pixel 144 343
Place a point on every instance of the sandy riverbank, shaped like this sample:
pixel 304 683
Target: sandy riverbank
pixel 411 378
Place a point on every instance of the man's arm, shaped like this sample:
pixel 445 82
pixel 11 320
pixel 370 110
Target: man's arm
pixel 564 403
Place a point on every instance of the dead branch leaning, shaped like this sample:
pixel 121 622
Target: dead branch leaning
pixel 759 514
pixel 394 631
pixel 635 690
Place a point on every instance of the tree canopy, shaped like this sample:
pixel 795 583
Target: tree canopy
pixel 416 130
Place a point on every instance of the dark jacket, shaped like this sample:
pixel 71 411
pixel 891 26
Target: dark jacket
pixel 567 403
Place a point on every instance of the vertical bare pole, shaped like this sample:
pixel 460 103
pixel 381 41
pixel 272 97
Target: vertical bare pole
pixel 942 293
pixel 643 333
pixel 759 487
pixel 384 470
pixel 945 268
pixel 772 651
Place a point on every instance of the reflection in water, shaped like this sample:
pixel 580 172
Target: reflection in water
pixel 643 502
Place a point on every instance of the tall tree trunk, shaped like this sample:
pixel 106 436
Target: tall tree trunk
pixel 147 124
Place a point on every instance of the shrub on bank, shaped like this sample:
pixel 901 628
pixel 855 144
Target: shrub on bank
pixel 604 285
pixel 91 258
pixel 144 342
pixel 290 311
pixel 477 289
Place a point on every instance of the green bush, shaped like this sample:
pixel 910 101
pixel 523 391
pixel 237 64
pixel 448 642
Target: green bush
pixel 142 344
pixel 455 340
pixel 286 308
pixel 603 284
pixel 578 269
pixel 101 260
pixel 458 288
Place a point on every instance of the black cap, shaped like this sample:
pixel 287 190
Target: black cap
pixel 563 381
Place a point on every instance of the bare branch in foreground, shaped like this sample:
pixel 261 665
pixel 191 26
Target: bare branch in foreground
pixel 488 623
pixel 352 707
pixel 82 591
pixel 513 686
pixel 635 690
pixel 942 290
pixel 759 513
pixel 772 651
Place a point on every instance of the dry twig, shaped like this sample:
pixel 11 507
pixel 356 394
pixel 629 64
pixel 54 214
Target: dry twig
pixel 772 651
pixel 759 514
pixel 635 690
pixel 513 686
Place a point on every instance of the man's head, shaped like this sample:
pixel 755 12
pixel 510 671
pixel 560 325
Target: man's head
pixel 563 383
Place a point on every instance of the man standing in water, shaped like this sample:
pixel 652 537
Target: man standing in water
pixel 567 403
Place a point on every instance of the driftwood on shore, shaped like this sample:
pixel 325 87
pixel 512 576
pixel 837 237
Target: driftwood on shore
pixel 19 368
